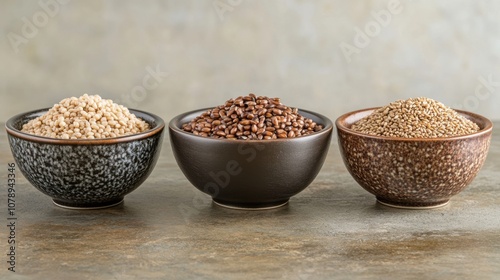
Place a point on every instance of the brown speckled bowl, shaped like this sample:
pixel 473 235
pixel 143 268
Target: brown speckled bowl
pixel 413 173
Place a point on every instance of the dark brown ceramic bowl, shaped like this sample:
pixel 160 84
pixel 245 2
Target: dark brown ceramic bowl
pixel 85 174
pixel 250 174
pixel 413 173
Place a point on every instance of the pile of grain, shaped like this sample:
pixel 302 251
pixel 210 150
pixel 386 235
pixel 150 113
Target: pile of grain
pixel 86 117
pixel 252 118
pixel 415 118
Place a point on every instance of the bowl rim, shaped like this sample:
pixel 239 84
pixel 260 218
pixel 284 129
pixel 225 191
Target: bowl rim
pixel 328 127
pixel 487 128
pixel 11 130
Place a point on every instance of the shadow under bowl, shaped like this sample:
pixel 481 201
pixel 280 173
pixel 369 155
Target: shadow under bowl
pixel 415 173
pixel 85 173
pixel 250 174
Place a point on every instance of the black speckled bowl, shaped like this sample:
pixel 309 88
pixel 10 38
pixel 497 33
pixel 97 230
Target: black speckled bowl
pixel 413 172
pixel 250 174
pixel 89 174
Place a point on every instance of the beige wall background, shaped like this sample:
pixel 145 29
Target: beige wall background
pixel 331 56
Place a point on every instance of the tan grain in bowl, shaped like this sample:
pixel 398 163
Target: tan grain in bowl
pixel 86 117
pixel 419 117
pixel 416 172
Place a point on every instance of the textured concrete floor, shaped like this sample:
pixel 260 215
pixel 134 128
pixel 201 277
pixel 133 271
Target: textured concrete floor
pixel 334 229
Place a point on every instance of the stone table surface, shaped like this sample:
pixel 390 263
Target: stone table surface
pixel 166 229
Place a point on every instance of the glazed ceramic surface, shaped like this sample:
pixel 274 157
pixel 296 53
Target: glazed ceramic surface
pixel 86 173
pixel 250 174
pixel 413 172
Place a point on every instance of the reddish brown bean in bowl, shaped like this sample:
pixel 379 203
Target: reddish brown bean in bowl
pixel 413 172
pixel 245 169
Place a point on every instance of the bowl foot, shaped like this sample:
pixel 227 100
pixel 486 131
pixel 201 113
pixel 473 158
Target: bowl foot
pixel 416 206
pixel 250 206
pixel 87 206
